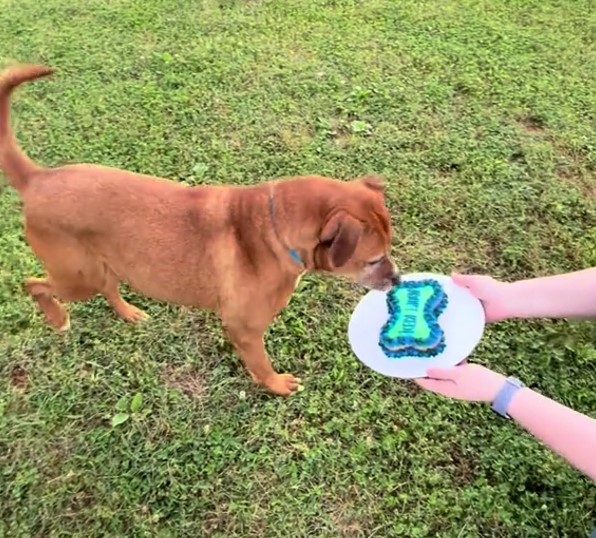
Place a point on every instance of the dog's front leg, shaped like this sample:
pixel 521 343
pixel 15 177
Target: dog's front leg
pixel 249 342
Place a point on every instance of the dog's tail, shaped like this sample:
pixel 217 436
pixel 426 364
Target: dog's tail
pixel 13 162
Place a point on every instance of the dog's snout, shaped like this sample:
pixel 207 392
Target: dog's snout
pixel 395 280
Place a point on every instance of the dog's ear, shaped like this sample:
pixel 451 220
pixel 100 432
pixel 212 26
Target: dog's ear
pixel 338 240
pixel 375 183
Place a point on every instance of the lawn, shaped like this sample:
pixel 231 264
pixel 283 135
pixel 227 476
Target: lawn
pixel 482 117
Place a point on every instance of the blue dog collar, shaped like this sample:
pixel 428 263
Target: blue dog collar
pixel 296 257
pixel 293 252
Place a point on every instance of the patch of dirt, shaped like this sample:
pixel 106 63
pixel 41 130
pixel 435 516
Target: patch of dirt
pixel 19 378
pixel 348 510
pixel 532 125
pixel 584 184
pixel 517 157
pixel 186 380
pixel 351 528
pixel 466 466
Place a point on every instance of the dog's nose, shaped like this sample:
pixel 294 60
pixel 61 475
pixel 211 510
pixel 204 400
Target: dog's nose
pixel 395 280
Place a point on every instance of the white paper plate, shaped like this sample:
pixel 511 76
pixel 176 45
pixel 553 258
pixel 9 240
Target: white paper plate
pixel 462 322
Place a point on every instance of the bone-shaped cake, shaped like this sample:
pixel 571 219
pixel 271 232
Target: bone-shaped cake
pixel 413 328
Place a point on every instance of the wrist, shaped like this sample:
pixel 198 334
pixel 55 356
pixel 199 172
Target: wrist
pixel 494 384
pixel 519 401
pixel 505 397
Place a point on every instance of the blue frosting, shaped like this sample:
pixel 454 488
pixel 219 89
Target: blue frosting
pixel 407 344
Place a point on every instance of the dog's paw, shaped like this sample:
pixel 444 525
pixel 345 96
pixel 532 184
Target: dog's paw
pixel 284 384
pixel 59 320
pixel 132 314
pixel 65 325
pixel 57 316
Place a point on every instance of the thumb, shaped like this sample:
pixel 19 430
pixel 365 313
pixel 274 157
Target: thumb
pixel 442 373
pixel 466 281
pixel 438 386
pixel 434 385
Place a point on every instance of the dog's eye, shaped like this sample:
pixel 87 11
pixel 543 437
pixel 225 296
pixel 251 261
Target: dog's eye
pixel 375 262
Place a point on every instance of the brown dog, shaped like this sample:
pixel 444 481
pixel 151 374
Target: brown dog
pixel 239 251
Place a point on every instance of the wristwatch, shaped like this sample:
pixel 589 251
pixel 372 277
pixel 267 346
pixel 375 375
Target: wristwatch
pixel 503 398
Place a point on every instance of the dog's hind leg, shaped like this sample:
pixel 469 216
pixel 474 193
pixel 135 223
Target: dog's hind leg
pixel 75 273
pixel 42 292
pixel 72 275
pixel 126 311
pixel 47 291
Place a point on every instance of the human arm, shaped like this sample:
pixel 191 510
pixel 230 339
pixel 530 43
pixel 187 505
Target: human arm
pixel 565 431
pixel 570 295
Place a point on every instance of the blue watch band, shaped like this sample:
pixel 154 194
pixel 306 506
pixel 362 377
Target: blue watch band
pixel 505 395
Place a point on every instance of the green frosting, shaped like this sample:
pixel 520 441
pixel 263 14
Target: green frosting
pixel 412 302
pixel 413 328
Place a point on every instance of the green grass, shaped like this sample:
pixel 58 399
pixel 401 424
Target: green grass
pixel 480 114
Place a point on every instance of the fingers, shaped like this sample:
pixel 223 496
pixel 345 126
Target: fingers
pixel 429 384
pixel 438 386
